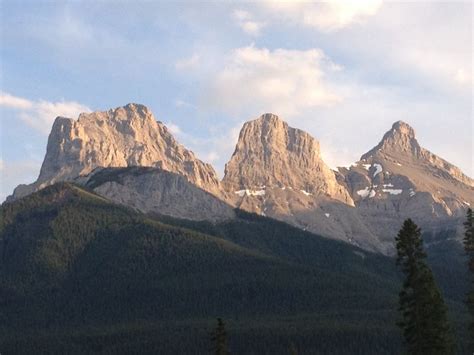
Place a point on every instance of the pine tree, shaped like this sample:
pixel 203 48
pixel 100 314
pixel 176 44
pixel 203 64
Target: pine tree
pixel 424 315
pixel 219 339
pixel 469 247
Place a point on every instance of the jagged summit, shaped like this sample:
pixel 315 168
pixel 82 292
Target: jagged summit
pixel 120 137
pixel 270 153
pixel 400 139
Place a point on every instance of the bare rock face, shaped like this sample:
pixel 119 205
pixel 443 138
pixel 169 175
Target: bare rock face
pixel 154 190
pixel 122 137
pixel 399 179
pixel 269 153
pixel 277 171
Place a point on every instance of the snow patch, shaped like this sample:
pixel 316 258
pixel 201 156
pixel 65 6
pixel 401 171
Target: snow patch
pixel 248 192
pixel 378 169
pixel 306 192
pixel 466 203
pixel 412 193
pixel 367 192
pixel 327 215
pixel 398 164
pixel 393 191
pixel 387 185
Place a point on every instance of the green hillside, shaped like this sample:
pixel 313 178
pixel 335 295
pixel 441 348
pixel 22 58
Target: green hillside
pixel 79 274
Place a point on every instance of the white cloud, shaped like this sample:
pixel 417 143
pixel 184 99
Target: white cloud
pixel 188 63
pixel 41 114
pixel 10 101
pixel 247 23
pixel 173 128
pixel 326 16
pixel 281 81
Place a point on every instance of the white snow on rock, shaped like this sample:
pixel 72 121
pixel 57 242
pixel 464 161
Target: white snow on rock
pixel 466 203
pixel 248 192
pixel 306 192
pixel 367 192
pixel 412 193
pixel 393 191
pixel 327 215
pixel 387 185
pixel 398 164
pixel 378 169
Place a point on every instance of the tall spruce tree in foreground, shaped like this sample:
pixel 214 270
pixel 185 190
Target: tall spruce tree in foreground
pixel 469 247
pixel 219 339
pixel 424 315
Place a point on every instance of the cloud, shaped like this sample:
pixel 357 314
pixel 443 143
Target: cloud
pixel 246 22
pixel 10 101
pixel 41 114
pixel 282 81
pixel 326 16
pixel 173 128
pixel 13 173
pixel 188 63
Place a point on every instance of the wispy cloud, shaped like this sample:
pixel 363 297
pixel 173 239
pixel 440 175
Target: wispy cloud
pixel 281 80
pixel 41 114
pixel 247 23
pixel 326 16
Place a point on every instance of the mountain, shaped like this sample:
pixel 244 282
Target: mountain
pixel 277 171
pixel 154 190
pixel 398 179
pixel 270 154
pixel 122 137
pixel 80 274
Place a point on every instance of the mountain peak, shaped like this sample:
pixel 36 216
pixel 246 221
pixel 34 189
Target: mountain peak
pixel 270 153
pixel 403 128
pixel 400 139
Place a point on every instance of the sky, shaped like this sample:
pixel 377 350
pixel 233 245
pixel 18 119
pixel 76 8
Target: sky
pixel 343 71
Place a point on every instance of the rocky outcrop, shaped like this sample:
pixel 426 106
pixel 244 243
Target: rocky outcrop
pixel 122 137
pixel 270 154
pixel 277 171
pixel 154 190
pixel 399 179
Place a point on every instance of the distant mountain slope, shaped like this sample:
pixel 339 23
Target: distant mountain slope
pixel 70 260
pixel 157 190
pixel 399 179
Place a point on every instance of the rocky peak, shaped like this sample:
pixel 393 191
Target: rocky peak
pixel 270 153
pixel 121 137
pixel 400 139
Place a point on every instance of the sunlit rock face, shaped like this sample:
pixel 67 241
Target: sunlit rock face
pixel 122 137
pixel 399 179
pixel 277 171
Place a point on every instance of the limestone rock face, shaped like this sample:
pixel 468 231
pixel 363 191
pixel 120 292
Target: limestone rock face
pixel 399 179
pixel 277 171
pixel 122 137
pixel 270 153
pixel 154 190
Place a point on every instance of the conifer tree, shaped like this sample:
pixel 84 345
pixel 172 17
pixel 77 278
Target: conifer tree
pixel 423 312
pixel 469 248
pixel 219 339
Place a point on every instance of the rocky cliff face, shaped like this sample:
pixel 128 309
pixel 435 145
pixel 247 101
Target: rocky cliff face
pixel 271 154
pixel 277 171
pixel 122 137
pixel 399 179
pixel 154 190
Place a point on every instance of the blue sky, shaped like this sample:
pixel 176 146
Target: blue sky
pixel 342 70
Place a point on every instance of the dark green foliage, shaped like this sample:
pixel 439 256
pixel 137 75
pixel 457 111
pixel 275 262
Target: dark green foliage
pixel 79 274
pixel 469 248
pixel 424 315
pixel 219 339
